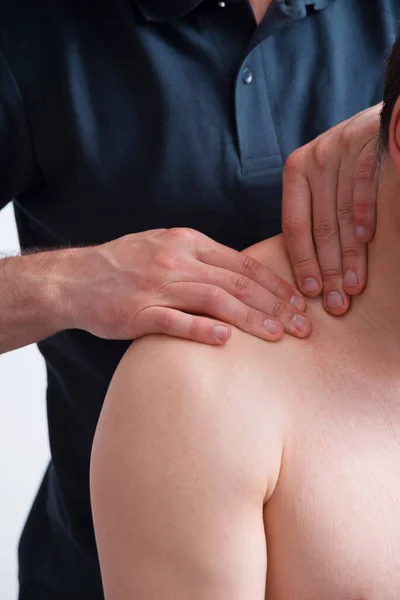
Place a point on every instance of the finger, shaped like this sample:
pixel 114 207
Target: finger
pixel 169 321
pixel 251 293
pixel 326 233
pixel 218 255
pixel 354 264
pixel 297 227
pixel 218 303
pixel 364 193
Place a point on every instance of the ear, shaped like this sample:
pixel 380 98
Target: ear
pixel 394 136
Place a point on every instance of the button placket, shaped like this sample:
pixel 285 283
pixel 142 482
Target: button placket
pixel 258 144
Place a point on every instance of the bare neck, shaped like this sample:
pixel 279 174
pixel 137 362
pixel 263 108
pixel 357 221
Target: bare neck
pixel 379 306
pixel 369 334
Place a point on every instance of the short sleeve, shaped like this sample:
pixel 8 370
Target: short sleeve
pixel 17 162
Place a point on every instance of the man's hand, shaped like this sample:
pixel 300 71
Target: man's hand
pixel 165 281
pixel 329 209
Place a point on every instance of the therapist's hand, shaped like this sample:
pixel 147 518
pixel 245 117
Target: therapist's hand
pixel 329 209
pixel 178 282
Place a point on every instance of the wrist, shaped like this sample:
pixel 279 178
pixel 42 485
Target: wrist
pixel 54 288
pixel 27 297
pixel 41 288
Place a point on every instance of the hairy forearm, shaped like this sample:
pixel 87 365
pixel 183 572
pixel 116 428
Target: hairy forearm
pixel 30 300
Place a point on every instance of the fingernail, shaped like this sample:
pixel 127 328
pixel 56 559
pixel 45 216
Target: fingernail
pixel 334 300
pixel 361 232
pixel 298 302
pixel 310 285
pixel 272 326
pixel 351 278
pixel 221 332
pixel 301 323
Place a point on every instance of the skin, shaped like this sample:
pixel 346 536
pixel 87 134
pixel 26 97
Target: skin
pixel 204 457
pixel 201 462
pixel 332 179
pixel 260 7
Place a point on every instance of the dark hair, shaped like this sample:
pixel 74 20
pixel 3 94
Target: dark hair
pixel 390 93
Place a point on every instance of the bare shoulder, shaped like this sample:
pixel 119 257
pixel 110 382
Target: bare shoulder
pixel 218 394
pixel 176 359
pixel 181 467
pixel 241 370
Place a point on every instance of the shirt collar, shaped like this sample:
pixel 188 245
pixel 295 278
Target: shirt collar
pixel 168 10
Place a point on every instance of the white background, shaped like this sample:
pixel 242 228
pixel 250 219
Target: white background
pixel 24 449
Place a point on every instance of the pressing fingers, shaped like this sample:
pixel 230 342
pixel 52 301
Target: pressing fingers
pixel 173 322
pixel 220 257
pixel 297 226
pixel 364 193
pixel 354 260
pixel 326 235
pixel 267 323
pixel 253 294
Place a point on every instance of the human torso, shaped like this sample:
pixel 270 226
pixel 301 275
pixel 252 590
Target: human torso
pixel 333 521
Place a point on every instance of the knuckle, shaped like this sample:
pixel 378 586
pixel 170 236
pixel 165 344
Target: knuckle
pixel 372 128
pixel 241 285
pixel 294 161
pixel 277 309
pixel 195 328
pixel 362 208
pixel 351 252
pixel 294 227
pixel 305 263
pixel 245 319
pixel 364 171
pixel 166 258
pixel 345 211
pixel 184 234
pixel 211 298
pixel 164 320
pixel 324 231
pixel 127 238
pixel 278 286
pixel 331 274
pixel 321 153
pixel 249 266
pixel 347 137
pixel 176 232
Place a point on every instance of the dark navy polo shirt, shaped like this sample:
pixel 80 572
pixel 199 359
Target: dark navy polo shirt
pixel 120 116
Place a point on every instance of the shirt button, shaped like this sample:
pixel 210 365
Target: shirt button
pixel 247 75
